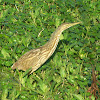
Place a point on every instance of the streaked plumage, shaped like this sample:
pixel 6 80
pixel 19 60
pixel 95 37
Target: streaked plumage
pixel 36 57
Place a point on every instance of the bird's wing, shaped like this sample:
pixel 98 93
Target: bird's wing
pixel 29 59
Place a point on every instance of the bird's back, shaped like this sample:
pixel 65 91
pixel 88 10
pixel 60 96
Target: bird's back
pixel 29 59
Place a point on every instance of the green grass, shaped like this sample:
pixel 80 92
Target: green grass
pixel 28 24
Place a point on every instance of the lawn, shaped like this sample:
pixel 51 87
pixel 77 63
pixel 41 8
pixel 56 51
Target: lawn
pixel 73 71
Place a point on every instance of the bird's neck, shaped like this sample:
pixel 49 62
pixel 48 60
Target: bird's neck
pixel 56 34
pixel 53 42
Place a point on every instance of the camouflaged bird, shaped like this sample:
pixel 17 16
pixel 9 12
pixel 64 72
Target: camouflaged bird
pixel 36 57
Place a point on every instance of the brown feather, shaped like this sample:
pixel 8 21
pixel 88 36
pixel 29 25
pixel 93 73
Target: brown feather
pixel 36 57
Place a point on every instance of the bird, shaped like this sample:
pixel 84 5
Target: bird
pixel 35 58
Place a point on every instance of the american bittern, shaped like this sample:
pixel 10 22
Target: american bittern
pixel 36 57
